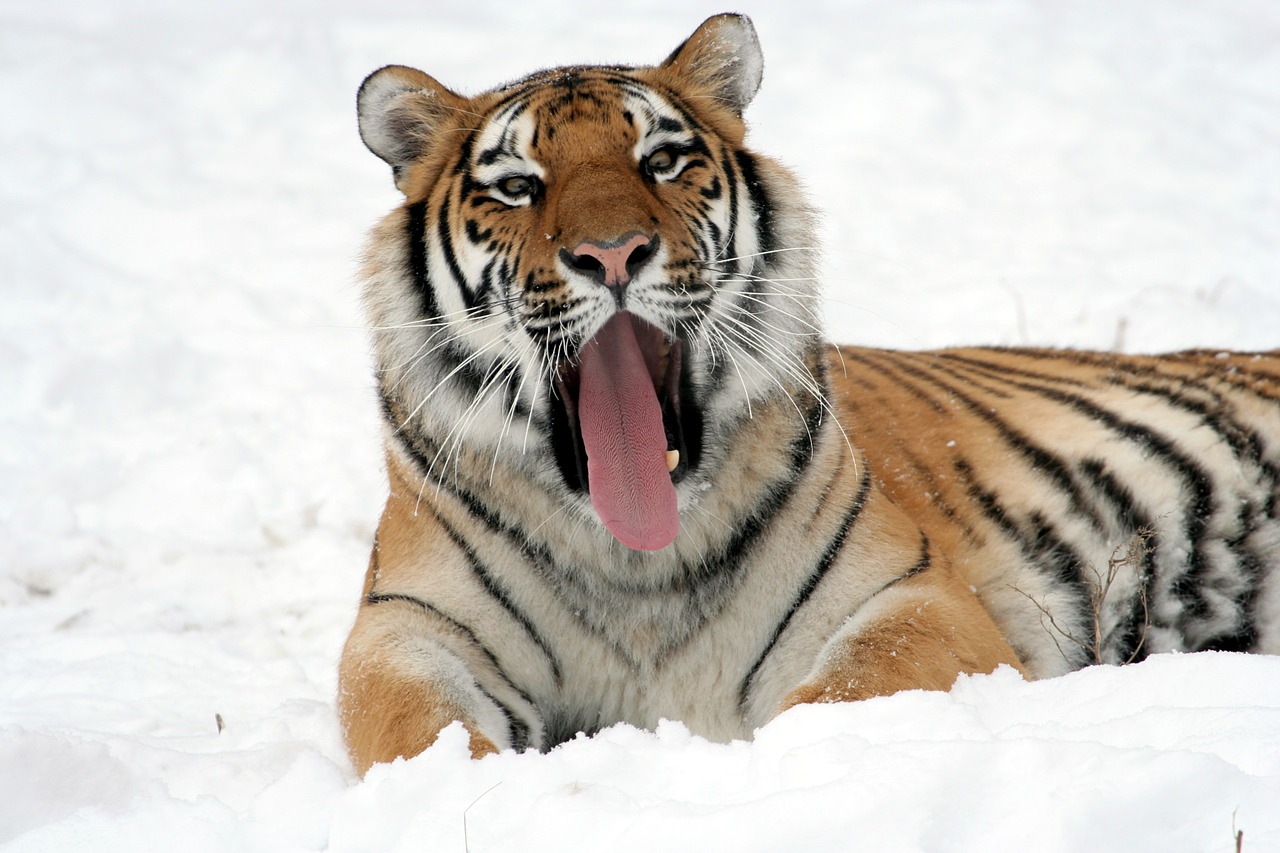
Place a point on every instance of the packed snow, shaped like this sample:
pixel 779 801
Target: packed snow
pixel 190 469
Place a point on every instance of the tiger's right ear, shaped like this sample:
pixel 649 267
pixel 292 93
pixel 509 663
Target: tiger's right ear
pixel 723 58
pixel 401 110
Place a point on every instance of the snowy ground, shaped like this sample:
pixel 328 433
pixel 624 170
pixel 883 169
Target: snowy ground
pixel 189 468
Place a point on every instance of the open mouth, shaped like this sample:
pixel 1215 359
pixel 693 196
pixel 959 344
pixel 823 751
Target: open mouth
pixel 626 429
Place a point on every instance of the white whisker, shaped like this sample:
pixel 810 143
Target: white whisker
pixel 515 402
pixel 419 355
pixel 785 361
pixel 767 252
pixel 426 399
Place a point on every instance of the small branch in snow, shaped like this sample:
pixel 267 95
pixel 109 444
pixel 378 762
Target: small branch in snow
pixel 1095 644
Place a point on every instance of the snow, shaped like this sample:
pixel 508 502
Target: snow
pixel 190 471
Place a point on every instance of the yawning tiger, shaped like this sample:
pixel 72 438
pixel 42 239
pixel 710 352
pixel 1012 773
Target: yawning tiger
pixel 629 479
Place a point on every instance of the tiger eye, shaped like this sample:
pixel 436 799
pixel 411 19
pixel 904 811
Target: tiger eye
pixel 662 160
pixel 517 186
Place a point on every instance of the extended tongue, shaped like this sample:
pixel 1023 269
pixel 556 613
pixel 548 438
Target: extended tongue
pixel 626 444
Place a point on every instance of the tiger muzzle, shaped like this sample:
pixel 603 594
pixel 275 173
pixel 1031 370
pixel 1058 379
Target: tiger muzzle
pixel 626 430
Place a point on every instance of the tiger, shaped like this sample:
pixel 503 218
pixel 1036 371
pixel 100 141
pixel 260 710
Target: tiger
pixel 629 479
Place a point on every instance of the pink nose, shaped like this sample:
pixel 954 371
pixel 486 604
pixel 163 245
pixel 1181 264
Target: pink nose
pixel 612 264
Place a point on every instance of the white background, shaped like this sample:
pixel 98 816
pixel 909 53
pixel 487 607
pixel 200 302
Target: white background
pixel 189 461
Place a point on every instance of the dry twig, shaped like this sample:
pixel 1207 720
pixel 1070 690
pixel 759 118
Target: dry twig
pixel 1094 645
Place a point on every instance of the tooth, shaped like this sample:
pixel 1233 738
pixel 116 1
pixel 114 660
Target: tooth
pixel 673 459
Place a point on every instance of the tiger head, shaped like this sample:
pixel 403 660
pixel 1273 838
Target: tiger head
pixel 590 274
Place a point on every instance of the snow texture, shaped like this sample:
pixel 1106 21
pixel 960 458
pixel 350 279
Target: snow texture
pixel 190 470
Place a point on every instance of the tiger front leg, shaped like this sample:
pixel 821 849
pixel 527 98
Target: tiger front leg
pixel 917 635
pixel 403 679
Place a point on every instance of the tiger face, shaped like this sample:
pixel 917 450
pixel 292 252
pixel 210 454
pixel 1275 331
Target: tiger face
pixel 609 278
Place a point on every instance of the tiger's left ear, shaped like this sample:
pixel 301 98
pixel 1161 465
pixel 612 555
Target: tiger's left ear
pixel 722 56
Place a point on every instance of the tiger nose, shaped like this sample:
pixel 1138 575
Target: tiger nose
pixel 612 264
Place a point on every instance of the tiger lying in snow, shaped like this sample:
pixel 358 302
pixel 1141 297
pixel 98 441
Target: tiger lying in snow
pixel 630 480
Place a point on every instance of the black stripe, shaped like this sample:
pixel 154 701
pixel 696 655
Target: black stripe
pixel 731 232
pixel 495 590
pixel 448 355
pixel 923 564
pixel 417 236
pixel 388 407
pixel 1042 546
pixel 518 728
pixel 1245 444
pixel 1039 459
pixel 802 452
pixel 486 282
pixel 930 400
pixel 1048 550
pixel 490 156
pixel 445 233
pixel 475 235
pixel 1244 637
pixel 512 401
pixel 695 125
pixel 560 78
pixel 713 243
pixel 1127 640
pixel 1210 369
pixel 815 576
pixel 476 507
pixel 1203 503
pixel 986 501
pixel 759 200
pixel 968 378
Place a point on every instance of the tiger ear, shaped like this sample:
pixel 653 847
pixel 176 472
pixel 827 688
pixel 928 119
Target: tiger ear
pixel 401 110
pixel 723 57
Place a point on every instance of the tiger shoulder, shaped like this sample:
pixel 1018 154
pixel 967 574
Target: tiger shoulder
pixel 630 479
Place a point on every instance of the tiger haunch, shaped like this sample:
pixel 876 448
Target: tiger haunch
pixel 630 480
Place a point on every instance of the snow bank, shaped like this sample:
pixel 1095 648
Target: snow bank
pixel 1101 760
pixel 1170 754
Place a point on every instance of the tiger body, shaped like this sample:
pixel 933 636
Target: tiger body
pixel 629 479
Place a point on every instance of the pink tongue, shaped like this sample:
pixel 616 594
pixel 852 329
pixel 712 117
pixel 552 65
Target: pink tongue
pixel 626 444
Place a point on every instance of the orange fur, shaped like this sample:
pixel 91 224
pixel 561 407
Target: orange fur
pixel 935 631
pixel 385 712
pixel 386 715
